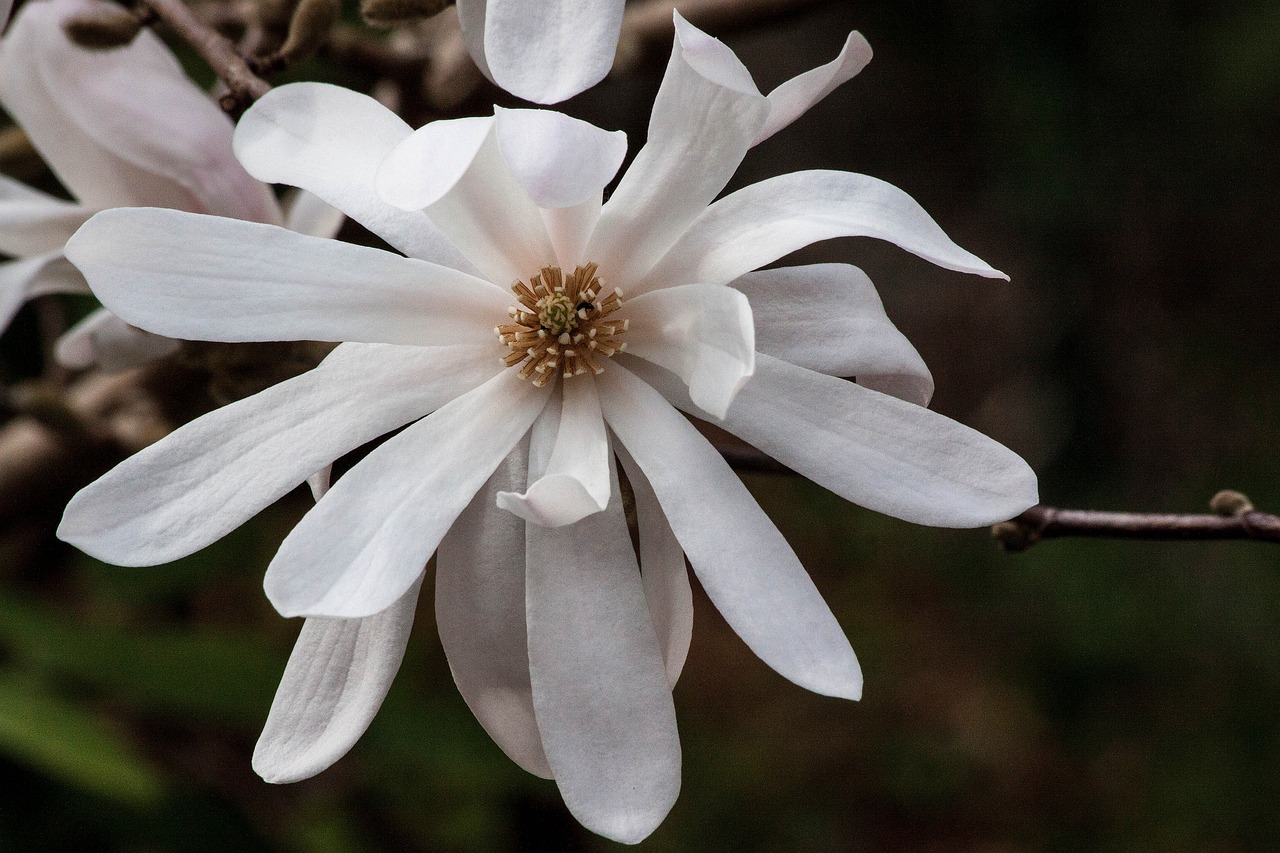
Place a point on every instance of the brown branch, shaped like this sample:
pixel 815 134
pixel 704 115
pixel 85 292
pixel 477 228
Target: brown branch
pixel 243 86
pixel 1237 519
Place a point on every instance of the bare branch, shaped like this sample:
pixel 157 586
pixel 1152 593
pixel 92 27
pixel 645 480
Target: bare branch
pixel 244 87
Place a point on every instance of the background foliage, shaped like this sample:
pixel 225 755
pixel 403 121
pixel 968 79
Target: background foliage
pixel 1121 163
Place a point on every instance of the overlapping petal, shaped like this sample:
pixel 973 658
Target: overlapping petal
pixel 32 223
pixel 39 275
pixel 332 687
pixel 104 339
pixel 369 537
pixel 201 482
pixel 746 567
pixel 198 277
pixel 829 318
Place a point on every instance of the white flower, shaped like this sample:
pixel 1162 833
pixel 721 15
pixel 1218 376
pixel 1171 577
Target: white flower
pixel 545 51
pixel 563 647
pixel 120 128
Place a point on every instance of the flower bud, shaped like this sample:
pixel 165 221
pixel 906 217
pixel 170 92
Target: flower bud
pixel 103 29
pixel 1230 503
pixel 391 13
pixel 309 28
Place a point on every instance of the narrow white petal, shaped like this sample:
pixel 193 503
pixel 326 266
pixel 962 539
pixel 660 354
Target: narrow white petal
pixel 427 163
pixel 124 126
pixel 875 450
pixel 793 98
pixel 550 50
pixel 576 481
pixel 570 229
pixel 27 278
pixel 560 161
pixel 32 223
pixel 330 141
pixel 198 277
pixel 829 318
pixel 662 571
pixel 201 482
pixel 760 223
pixel 701 332
pixel 309 214
pixel 480 613
pixel 600 687
pixel 105 340
pixel 471 17
pixel 748 570
pixel 701 128
pixel 369 537
pixel 332 687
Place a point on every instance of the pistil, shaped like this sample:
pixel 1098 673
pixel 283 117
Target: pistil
pixel 558 325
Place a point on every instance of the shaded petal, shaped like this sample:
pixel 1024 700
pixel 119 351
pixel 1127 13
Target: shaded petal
pixel 332 687
pixel 760 223
pixel 701 128
pixel 126 126
pixel 829 318
pixel 206 278
pixel 575 483
pixel 32 223
pixel 569 229
pixel 27 278
pixel 662 572
pixel 793 98
pixel 104 339
pixel 427 163
pixel 747 569
pixel 551 50
pixel 309 214
pixel 701 332
pixel 330 141
pixel 201 482
pixel 875 450
pixel 480 613
pixel 369 537
pixel 560 161
pixel 471 17
pixel 600 688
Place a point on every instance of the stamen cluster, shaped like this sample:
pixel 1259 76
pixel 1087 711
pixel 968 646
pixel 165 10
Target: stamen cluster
pixel 558 325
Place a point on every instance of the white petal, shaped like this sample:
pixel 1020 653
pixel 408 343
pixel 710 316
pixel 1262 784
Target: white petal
pixel 550 50
pixel 309 214
pixel 491 219
pixel 480 612
pixel 700 130
pixel 369 537
pixel 560 161
pixel 206 278
pixel 471 17
pixel 332 687
pixel 428 162
pixel 875 450
pixel 793 98
pixel 600 688
pixel 27 278
pixel 126 126
pixel 6 6
pixel 104 339
pixel 829 318
pixel 701 332
pixel 662 571
pixel 330 141
pixel 570 228
pixel 760 223
pixel 747 569
pixel 198 484
pixel 320 481
pixel 32 223
pixel 576 481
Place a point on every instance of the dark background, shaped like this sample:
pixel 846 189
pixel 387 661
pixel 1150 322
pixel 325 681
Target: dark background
pixel 1120 163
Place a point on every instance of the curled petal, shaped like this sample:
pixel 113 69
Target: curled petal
pixel 746 567
pixel 702 333
pixel 793 98
pixel 760 223
pixel 575 483
pixel 197 277
pixel 428 163
pixel 829 318
pixel 560 161
pixel 332 687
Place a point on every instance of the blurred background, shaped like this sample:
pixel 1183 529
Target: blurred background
pixel 1121 162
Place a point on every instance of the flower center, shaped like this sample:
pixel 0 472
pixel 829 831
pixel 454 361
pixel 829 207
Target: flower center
pixel 558 325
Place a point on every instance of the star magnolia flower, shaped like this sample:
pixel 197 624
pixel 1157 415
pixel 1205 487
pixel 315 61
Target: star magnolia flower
pixel 120 128
pixel 546 51
pixel 518 397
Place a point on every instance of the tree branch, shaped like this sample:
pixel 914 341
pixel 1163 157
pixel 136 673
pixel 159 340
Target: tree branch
pixel 244 87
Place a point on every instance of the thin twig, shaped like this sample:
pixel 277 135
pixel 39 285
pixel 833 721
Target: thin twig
pixel 244 87
pixel 1047 522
